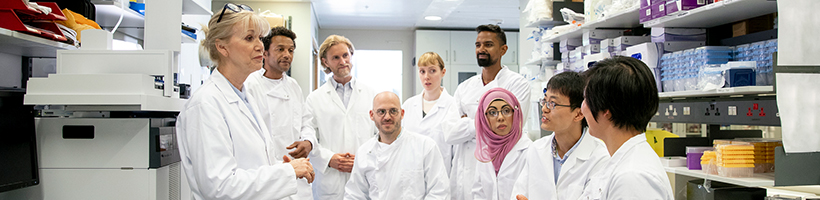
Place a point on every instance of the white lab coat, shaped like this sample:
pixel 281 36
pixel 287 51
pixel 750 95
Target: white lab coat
pixel 225 152
pixel 410 168
pixel 282 109
pixel 537 179
pixel 430 125
pixel 633 172
pixel 460 132
pixel 340 129
pixel 488 185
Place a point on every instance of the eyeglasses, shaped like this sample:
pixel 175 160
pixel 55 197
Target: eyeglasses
pixel 235 8
pixel 393 112
pixel 507 111
pixel 551 104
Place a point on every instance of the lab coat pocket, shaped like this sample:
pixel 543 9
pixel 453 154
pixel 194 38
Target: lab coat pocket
pixel 412 184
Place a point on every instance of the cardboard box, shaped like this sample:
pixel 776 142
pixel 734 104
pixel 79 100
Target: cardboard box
pixel 595 36
pixel 649 53
pixel 672 7
pixel 762 23
pixel 681 45
pixel 592 49
pixel 658 9
pixel 620 43
pixel 569 44
pixel 645 14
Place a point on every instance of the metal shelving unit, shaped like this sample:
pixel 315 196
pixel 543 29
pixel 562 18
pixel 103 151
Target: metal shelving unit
pixel 716 14
pixel 17 43
pixel 625 19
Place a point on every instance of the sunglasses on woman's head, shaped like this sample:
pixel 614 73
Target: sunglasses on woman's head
pixel 233 7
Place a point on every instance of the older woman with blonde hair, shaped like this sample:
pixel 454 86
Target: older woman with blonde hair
pixel 224 147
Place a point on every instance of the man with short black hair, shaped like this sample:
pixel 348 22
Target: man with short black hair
pixel 620 99
pixel 459 128
pixel 558 166
pixel 280 102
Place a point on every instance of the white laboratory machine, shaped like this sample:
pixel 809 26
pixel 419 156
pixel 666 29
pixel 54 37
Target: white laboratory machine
pixel 107 117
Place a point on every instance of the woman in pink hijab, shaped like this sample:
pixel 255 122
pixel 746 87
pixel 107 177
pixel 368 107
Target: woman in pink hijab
pixel 500 144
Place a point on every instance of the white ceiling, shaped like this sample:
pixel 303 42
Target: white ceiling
pixel 409 14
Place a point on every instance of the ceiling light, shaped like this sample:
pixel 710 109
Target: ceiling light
pixel 432 18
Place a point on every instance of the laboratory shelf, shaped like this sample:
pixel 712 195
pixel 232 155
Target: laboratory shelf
pixel 757 179
pixel 625 19
pixel 539 62
pixel 719 92
pixel 544 23
pixel 190 7
pixel 108 13
pixel 715 14
pixel 16 43
pixel 133 23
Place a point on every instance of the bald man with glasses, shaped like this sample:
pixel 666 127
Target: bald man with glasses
pixel 396 163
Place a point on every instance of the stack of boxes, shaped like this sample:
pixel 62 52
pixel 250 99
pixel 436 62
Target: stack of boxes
pixel 735 159
pixel 762 53
pixel 708 162
pixel 652 9
pixel 571 54
pixel 681 70
pixel 763 153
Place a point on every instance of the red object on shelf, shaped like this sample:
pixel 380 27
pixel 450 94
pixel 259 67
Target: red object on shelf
pixel 19 7
pixel 17 16
pixel 56 13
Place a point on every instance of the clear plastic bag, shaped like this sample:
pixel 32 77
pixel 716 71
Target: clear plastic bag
pixel 711 77
pixel 538 10
pixel 691 82
pixel 572 17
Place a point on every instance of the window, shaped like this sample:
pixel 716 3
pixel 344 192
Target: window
pixel 380 69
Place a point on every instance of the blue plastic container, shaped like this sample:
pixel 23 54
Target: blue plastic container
pixel 139 7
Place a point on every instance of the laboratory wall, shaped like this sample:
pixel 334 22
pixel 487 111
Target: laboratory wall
pixel 384 40
pixel 303 24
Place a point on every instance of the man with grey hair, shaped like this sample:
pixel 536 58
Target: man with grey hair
pixel 396 164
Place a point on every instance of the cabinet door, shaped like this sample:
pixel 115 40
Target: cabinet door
pixel 462 45
pixel 511 58
pixel 435 41
pixel 459 73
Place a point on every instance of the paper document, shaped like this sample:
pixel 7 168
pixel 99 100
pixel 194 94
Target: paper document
pixel 798 102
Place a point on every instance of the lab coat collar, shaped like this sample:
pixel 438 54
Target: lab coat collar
pixel 383 155
pixel 628 145
pixel 519 148
pixel 440 103
pixel 586 146
pixel 581 153
pixel 225 87
pixel 277 91
pixel 330 89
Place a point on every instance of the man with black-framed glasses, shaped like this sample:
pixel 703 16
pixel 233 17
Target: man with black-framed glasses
pixel 396 163
pixel 558 166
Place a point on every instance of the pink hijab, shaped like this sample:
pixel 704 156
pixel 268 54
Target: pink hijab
pixel 489 146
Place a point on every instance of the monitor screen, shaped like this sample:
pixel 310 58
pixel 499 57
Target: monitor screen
pixel 18 151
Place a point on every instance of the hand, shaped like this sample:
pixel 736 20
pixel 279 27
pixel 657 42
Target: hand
pixel 303 148
pixel 520 197
pixel 342 162
pixel 301 167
